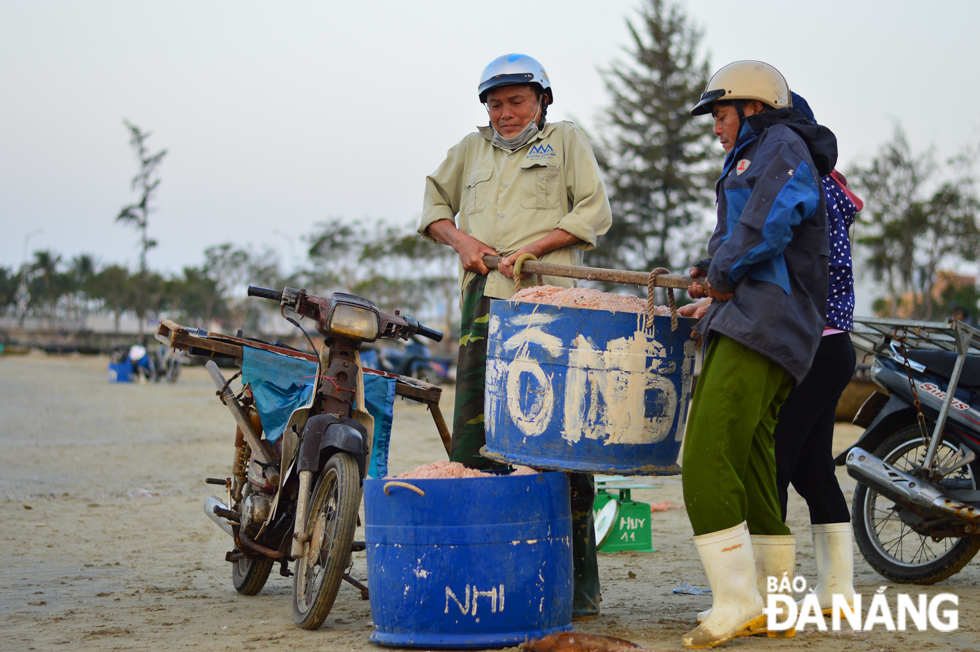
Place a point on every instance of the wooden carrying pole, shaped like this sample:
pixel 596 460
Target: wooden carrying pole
pixel 675 281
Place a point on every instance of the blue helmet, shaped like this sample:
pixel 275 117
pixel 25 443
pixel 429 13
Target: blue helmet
pixel 513 69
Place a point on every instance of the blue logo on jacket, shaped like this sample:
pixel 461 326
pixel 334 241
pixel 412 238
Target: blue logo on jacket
pixel 540 152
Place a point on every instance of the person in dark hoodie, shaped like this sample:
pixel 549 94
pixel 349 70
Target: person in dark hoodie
pixel 804 432
pixel 768 278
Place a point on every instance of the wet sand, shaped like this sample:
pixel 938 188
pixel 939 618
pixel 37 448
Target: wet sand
pixel 105 544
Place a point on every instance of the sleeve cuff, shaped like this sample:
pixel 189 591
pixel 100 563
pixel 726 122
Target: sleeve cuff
pixel 727 288
pixel 581 229
pixel 427 221
pixel 718 281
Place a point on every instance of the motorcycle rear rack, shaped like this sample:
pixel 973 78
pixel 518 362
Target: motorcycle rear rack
pixel 925 335
pixel 200 342
pixel 954 336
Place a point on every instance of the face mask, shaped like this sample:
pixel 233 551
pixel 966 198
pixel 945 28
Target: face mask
pixel 518 141
pixel 529 131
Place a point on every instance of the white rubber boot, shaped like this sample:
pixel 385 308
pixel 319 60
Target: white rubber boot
pixel 774 555
pixel 736 605
pixel 832 547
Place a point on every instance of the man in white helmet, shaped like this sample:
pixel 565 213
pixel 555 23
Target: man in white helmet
pixel 519 185
pixel 767 276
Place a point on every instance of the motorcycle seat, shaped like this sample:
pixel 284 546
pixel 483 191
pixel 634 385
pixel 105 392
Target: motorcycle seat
pixel 941 363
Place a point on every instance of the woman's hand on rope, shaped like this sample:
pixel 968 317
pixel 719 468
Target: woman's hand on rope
pixel 696 290
pixel 696 310
pixel 703 289
pixel 718 296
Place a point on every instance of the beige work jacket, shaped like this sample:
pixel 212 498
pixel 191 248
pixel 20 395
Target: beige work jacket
pixel 509 199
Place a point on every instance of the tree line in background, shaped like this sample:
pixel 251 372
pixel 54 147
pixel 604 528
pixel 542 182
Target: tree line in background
pixel 919 220
pixel 388 264
pixel 660 166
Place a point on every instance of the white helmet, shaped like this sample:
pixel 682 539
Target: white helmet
pixel 514 69
pixel 746 80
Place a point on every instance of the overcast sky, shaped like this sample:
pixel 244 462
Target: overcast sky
pixel 279 115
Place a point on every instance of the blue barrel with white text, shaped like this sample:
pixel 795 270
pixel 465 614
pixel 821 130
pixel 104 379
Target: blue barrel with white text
pixel 586 390
pixel 468 562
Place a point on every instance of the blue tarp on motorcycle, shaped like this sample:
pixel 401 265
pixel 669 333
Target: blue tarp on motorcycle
pixel 282 384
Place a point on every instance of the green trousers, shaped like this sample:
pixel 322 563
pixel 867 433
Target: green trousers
pixel 729 464
pixel 469 436
pixel 471 373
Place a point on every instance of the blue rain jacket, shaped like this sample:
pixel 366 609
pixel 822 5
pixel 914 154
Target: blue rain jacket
pixel 770 245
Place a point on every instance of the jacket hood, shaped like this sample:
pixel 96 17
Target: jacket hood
pixel 820 141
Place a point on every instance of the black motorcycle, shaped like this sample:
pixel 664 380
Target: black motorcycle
pixel 916 509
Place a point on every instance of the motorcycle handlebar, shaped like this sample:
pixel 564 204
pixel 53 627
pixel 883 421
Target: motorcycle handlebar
pixel 290 295
pixel 434 335
pixel 264 293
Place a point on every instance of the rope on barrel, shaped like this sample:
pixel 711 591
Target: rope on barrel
pixel 398 483
pixel 651 284
pixel 517 271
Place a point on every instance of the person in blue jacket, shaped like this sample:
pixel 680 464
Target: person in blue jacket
pixel 767 277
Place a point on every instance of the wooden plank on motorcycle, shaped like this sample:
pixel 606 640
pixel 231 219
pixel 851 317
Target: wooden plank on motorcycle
pixel 441 426
pixel 165 330
pixel 184 340
pixel 417 393
pixel 252 344
pixel 413 388
pixel 179 337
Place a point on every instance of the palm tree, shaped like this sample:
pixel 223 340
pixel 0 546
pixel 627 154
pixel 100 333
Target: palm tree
pixel 80 272
pixel 112 285
pixel 46 262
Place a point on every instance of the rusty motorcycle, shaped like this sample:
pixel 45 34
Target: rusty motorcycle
pixel 297 500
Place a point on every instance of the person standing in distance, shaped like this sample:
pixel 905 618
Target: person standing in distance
pixel 519 185
pixel 768 277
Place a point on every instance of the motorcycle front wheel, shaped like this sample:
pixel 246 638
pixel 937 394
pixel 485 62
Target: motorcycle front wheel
pixel 330 528
pixel 882 528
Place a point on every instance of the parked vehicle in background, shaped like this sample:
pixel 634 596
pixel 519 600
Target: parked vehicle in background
pixel 916 509
pixel 414 359
pixel 168 363
pixel 445 370
pixel 300 458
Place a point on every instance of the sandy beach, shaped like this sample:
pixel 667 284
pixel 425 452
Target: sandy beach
pixel 105 545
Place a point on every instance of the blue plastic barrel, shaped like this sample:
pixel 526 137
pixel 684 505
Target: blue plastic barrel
pixel 586 390
pixel 472 563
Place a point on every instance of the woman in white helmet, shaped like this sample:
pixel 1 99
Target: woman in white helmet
pixel 518 185
pixel 768 277
pixel 805 430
